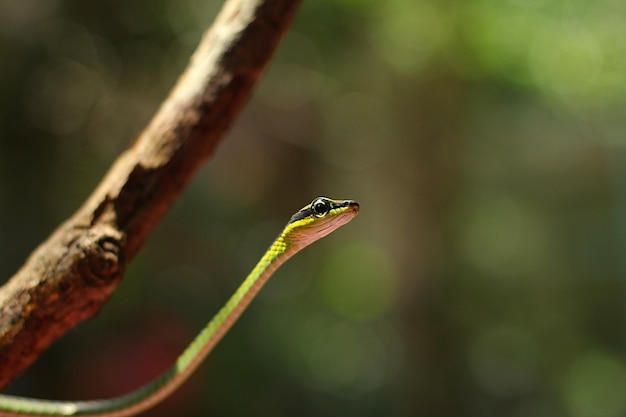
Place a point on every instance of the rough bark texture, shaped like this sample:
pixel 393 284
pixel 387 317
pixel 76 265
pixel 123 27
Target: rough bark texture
pixel 70 276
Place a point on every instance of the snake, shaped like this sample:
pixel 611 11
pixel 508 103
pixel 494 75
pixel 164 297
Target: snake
pixel 309 224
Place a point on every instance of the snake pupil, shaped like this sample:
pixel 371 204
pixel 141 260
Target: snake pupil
pixel 320 207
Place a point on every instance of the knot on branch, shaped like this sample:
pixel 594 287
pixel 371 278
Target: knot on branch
pixel 100 256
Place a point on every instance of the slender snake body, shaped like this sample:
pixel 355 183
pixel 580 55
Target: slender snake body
pixel 308 225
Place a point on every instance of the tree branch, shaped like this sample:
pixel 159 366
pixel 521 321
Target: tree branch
pixel 70 276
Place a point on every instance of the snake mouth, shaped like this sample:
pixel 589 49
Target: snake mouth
pixel 352 205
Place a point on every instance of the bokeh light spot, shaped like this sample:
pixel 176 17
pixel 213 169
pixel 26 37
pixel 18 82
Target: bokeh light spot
pixel 358 281
pixel 61 96
pixel 502 236
pixel 348 359
pixel 409 33
pixel 596 386
pixel 566 64
pixel 355 123
pixel 503 361
pixel 298 81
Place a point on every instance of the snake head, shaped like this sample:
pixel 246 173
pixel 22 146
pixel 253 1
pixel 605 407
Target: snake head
pixel 317 219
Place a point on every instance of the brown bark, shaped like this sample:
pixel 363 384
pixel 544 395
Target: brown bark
pixel 70 276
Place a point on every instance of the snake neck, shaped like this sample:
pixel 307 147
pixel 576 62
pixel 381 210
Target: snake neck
pixel 274 257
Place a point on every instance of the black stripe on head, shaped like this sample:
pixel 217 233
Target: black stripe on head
pixel 320 206
pixel 305 212
pixel 340 204
pixel 312 210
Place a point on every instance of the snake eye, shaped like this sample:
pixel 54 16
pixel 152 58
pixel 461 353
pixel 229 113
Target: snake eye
pixel 320 207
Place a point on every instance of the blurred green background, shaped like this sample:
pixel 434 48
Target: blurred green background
pixel 484 139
